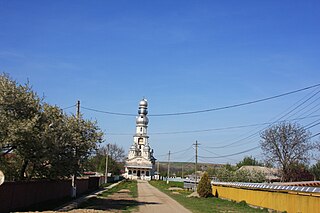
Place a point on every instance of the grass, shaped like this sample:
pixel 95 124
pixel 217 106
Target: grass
pixel 127 184
pixel 106 185
pixel 203 205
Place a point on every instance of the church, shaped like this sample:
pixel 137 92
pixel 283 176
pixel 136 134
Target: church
pixel 140 163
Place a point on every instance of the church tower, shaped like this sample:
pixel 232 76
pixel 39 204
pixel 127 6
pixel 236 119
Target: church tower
pixel 140 163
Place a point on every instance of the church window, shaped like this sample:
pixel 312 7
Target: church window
pixel 147 173
pixel 142 172
pixel 139 146
pixel 134 171
pixel 130 172
pixel 140 129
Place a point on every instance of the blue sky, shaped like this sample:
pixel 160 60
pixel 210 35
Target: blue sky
pixel 180 55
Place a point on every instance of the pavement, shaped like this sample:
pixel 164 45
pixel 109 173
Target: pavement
pixel 154 201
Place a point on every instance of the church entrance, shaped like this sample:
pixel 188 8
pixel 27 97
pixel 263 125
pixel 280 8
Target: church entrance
pixel 138 173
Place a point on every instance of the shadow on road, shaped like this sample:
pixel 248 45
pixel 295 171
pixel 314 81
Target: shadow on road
pixel 112 204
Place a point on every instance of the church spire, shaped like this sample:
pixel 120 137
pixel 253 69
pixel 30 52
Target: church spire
pixel 140 162
pixel 142 119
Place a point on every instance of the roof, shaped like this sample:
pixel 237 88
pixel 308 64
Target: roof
pixel 302 183
pixel 263 169
pixel 139 166
pixel 139 162
pixel 270 173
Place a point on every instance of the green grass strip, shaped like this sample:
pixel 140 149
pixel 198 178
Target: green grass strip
pixel 203 205
pixel 126 184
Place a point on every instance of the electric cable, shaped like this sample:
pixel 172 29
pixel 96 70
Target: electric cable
pixel 210 109
pixel 69 107
pixel 233 154
pixel 315 135
pixel 218 129
pixel 213 153
pixel 299 104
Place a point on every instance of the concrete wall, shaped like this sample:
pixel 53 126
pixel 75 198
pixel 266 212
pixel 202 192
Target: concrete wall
pixel 15 196
pixel 280 201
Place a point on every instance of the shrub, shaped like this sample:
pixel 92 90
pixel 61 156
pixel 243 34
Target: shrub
pixel 204 187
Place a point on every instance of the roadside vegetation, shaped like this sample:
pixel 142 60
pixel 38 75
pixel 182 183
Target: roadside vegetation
pixel 39 140
pixel 130 185
pixel 203 205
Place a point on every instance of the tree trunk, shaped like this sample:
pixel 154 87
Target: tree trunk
pixel 23 169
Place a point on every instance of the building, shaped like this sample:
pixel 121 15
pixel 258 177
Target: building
pixel 140 163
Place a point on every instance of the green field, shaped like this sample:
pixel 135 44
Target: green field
pixel 197 205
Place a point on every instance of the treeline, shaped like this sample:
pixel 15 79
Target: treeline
pixel 38 140
pixel 232 173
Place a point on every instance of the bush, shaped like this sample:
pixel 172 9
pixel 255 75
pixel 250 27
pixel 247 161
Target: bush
pixel 204 187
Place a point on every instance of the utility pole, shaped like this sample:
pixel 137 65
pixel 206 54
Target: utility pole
pixel 195 165
pixel 158 169
pixel 168 168
pixel 107 159
pixel 182 172
pixel 73 177
pixel 78 110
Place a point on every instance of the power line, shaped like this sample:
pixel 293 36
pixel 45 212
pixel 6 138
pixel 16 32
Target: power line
pixel 298 104
pixel 217 129
pixel 308 126
pixel 315 135
pixel 238 153
pixel 236 105
pixel 313 125
pixel 69 107
pixel 173 153
pixel 208 110
pixel 107 112
pixel 214 153
pixel 182 154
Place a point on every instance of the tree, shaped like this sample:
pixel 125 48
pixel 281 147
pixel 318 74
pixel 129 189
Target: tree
pixel 19 116
pixel 115 160
pixel 249 161
pixel 300 172
pixel 315 170
pixel 204 186
pixel 36 139
pixel 285 145
pixel 226 173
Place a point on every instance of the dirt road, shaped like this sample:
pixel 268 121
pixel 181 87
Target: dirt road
pixel 156 201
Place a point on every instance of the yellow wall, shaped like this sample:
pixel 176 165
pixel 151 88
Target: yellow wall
pixel 281 201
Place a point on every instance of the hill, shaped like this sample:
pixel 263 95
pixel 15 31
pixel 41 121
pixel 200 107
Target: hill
pixel 177 168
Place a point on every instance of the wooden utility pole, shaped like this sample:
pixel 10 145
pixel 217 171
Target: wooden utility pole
pixel 78 110
pixel 195 165
pixel 168 168
pixel 73 177
pixel 158 168
pixel 107 159
pixel 182 171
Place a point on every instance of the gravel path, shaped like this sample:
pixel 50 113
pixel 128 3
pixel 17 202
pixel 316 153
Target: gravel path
pixel 154 201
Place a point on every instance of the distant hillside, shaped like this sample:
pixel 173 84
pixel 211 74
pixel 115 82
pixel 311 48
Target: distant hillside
pixel 185 167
